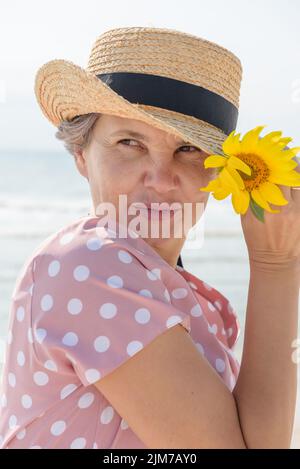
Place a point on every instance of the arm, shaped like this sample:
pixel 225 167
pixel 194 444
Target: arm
pixel 266 388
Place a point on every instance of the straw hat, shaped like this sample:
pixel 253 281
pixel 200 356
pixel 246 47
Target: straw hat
pixel 174 81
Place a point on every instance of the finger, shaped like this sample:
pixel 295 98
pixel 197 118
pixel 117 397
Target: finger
pixel 295 192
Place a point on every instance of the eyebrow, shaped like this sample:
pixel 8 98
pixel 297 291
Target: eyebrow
pixel 132 133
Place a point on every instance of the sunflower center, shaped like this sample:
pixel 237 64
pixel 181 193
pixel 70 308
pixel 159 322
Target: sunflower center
pixel 260 171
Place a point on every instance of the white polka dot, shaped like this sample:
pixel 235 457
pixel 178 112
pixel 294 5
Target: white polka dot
pixel 21 434
pixel 192 285
pixel 9 337
pixel 223 331
pixel 208 287
pixel 40 378
pixel 153 274
pixel 172 320
pixel 50 365
pixel 81 273
pixel 146 293
pixel 167 296
pixel 108 310
pixel 13 422
pixel 68 389
pixel 200 348
pixel 107 415
pixel 179 293
pixel 35 447
pixel 115 281
pixel 53 268
pixel 46 302
pixel 213 329
pixel 229 332
pixel 220 365
pixel 142 315
pixel 21 358
pixel 124 425
pixel 78 443
pixel 30 336
pixel 40 335
pixel 95 446
pixel 86 400
pixel 92 375
pixel 102 343
pixel 125 257
pixel 70 339
pixel 93 244
pixel 12 379
pixel 3 401
pixel 211 306
pixel 20 313
pixel 196 310
pixel 58 427
pixel 133 347
pixel 26 401
pixel 74 306
pixel 66 238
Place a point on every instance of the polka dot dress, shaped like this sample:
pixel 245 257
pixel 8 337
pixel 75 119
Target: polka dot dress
pixel 86 301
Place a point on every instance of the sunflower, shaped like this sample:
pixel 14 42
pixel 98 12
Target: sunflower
pixel 250 170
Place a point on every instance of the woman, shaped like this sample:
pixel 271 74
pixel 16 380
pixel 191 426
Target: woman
pixel 97 356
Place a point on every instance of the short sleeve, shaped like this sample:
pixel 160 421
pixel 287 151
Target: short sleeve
pixel 94 307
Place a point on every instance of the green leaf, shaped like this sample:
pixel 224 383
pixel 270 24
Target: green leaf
pixel 257 210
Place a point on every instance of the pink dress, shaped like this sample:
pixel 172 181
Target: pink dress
pixel 85 302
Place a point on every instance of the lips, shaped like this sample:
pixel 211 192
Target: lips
pixel 143 205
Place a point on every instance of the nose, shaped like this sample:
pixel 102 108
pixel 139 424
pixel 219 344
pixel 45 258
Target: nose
pixel 162 177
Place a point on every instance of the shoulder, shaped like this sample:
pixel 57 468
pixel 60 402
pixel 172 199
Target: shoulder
pixel 84 241
pixel 88 257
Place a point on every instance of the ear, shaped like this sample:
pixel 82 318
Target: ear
pixel 81 164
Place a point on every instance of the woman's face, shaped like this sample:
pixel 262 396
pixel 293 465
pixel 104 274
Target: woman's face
pixel 129 157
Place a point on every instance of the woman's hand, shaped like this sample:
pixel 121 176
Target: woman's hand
pixel 276 242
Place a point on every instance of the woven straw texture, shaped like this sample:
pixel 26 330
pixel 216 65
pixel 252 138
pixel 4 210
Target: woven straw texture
pixel 64 89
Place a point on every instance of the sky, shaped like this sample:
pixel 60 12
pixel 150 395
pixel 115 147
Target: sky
pixel 264 34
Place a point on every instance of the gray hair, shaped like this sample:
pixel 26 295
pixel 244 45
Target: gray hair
pixel 76 134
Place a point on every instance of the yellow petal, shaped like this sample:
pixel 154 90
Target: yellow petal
pixel 212 186
pixel 286 140
pixel 237 177
pixel 272 136
pixel 289 154
pixel 215 161
pixel 280 177
pixel 240 201
pixel 237 163
pixel 284 181
pixel 222 193
pixel 231 145
pixel 257 197
pixel 250 139
pixel 227 180
pixel 278 165
pixel 272 194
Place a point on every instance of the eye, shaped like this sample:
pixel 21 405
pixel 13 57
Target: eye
pixel 128 140
pixel 189 146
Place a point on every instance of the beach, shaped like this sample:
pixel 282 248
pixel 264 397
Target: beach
pixel 47 193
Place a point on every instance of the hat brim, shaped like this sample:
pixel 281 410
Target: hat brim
pixel 64 90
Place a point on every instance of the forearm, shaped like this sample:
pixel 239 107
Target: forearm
pixel 266 388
